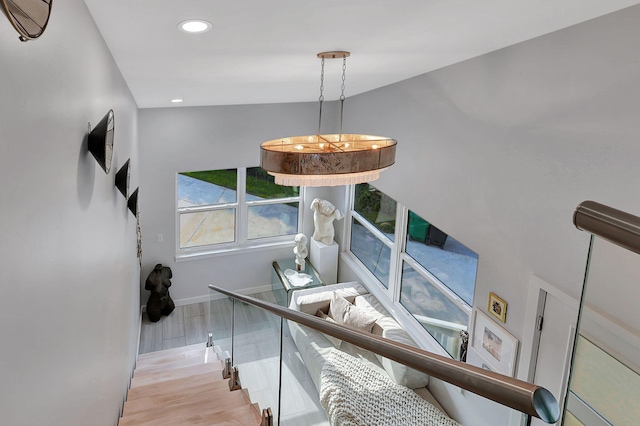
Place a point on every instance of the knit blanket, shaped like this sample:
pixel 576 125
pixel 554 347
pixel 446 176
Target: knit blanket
pixel 354 394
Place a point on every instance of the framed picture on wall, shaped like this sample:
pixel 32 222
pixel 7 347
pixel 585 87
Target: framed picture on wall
pixel 474 358
pixel 497 307
pixel 495 345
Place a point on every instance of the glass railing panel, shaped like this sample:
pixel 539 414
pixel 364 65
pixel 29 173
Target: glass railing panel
pixel 304 358
pixel 605 385
pixel 299 402
pixel 220 316
pixel 250 337
pixel 349 381
pixel 256 351
pixel 570 420
pixel 605 375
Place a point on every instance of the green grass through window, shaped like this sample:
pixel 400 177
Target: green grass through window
pixel 224 178
pixel 259 182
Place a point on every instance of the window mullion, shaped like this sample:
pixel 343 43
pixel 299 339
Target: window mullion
pixel 267 201
pixel 207 208
pixel 242 215
pixel 395 269
pixel 300 199
pixel 348 223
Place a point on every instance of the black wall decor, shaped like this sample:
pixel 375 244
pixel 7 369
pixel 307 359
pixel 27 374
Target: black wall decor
pixel 122 179
pixel 101 141
pixel 133 202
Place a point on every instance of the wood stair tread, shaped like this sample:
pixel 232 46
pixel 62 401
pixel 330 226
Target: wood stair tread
pixel 175 364
pixel 176 373
pixel 181 385
pixel 204 406
pixel 205 393
pixel 184 386
pixel 170 358
pixel 171 352
pixel 236 416
pixel 149 393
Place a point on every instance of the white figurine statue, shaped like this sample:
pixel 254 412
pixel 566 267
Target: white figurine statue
pixel 324 213
pixel 301 251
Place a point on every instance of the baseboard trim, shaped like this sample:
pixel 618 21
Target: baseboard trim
pixel 213 296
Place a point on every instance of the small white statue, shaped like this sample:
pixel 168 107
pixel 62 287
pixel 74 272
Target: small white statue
pixel 324 213
pixel 301 251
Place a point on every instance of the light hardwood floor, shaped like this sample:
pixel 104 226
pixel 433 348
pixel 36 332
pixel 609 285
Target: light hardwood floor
pixel 256 352
pixel 185 326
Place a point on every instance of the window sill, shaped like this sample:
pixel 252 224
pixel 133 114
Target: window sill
pixel 196 254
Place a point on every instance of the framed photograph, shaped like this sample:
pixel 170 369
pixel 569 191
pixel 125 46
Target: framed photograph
pixel 497 307
pixel 474 358
pixel 494 345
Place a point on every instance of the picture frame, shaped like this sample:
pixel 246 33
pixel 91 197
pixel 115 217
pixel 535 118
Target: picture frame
pixel 497 307
pixel 493 344
pixel 474 358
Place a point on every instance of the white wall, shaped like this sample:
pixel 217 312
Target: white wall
pixel 69 300
pixel 174 140
pixel 503 147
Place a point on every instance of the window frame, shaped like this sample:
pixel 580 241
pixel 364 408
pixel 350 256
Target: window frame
pixel 391 295
pixel 380 236
pixel 241 223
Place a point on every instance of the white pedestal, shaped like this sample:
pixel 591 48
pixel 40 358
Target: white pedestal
pixel 324 259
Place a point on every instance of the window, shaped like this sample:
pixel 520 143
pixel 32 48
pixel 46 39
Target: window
pixel 221 209
pixel 373 220
pixel 425 271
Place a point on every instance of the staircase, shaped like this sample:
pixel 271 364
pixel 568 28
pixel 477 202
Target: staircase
pixel 185 386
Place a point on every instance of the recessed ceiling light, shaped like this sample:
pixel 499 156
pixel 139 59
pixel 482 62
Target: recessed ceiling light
pixel 195 26
pixel 177 100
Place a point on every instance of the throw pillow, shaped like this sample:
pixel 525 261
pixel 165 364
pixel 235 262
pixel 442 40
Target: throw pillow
pixel 345 313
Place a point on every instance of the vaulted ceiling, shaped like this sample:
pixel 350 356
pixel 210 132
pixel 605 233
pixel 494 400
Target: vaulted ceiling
pixel 265 51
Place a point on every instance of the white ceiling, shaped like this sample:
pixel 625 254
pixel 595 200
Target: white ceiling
pixel 265 51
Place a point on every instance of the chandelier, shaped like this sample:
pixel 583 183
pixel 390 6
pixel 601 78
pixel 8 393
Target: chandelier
pixel 328 159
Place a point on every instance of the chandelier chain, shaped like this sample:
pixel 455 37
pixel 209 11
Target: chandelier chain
pixel 321 98
pixel 344 71
pixel 321 81
pixel 344 75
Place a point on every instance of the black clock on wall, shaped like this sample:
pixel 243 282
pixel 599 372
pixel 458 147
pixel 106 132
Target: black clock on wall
pixel 28 17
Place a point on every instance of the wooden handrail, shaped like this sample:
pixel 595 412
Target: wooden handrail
pixel 522 396
pixel 613 225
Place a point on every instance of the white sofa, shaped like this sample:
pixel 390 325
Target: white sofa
pixel 314 347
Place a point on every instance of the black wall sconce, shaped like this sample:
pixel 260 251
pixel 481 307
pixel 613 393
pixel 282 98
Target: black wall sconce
pixel 133 202
pixel 101 141
pixel 122 179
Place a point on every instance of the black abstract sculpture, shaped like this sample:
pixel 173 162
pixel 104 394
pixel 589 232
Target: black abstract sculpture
pixel 160 302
